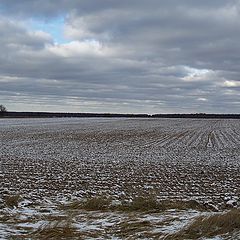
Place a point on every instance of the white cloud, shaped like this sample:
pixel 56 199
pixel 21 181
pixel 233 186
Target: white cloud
pixel 194 74
pixel 202 99
pixel 231 83
pixel 77 48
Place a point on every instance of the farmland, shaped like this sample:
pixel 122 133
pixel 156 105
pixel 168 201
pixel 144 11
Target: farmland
pixel 190 165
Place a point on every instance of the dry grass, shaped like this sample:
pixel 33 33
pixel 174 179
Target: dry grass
pixel 150 204
pixel 12 201
pixel 130 228
pixel 184 205
pixel 64 225
pixel 141 204
pixel 217 224
pixel 56 230
pixel 138 204
pixel 96 204
pixel 92 204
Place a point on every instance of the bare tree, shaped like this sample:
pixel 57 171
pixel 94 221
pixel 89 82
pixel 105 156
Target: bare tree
pixel 3 110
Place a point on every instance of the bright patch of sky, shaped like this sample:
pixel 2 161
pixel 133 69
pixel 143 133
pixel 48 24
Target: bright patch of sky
pixel 194 74
pixel 54 27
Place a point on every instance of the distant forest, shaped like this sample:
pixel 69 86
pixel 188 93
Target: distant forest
pixel 111 115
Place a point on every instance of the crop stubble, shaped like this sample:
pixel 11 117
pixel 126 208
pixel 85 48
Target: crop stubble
pixel 122 158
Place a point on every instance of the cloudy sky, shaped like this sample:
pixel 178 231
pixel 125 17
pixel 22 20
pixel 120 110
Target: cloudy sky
pixel 151 56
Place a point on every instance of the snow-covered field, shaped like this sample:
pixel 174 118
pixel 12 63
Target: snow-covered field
pixel 49 161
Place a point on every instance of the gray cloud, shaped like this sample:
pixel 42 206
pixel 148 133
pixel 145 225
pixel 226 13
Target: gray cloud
pixel 128 56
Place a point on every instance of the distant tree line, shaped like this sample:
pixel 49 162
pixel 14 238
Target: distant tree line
pixel 198 115
pixel 109 115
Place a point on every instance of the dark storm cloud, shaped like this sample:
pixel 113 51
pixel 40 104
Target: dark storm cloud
pixel 51 8
pixel 145 56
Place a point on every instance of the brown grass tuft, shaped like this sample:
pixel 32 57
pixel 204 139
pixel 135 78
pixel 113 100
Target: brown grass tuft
pixel 12 201
pixel 138 204
pixel 130 228
pixel 92 204
pixel 215 225
pixel 96 204
pixel 56 230
pixel 184 205
pixel 141 204
pixel 150 204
